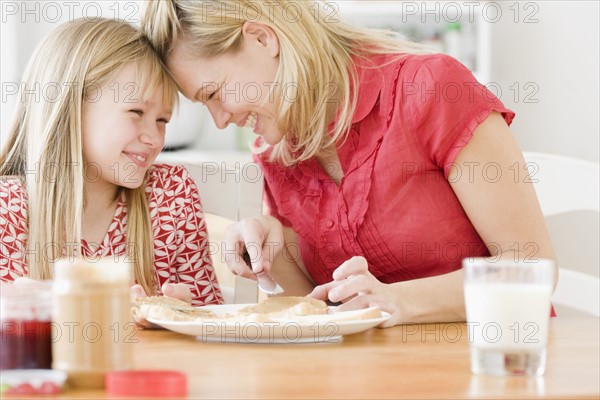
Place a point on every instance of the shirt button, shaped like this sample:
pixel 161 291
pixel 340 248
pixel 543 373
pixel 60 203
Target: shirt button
pixel 328 224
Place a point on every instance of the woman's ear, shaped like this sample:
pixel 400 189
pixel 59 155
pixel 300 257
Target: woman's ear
pixel 261 35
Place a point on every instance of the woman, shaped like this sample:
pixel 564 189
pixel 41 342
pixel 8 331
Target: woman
pixel 384 166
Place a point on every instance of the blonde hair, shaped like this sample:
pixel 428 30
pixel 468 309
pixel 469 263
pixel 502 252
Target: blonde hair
pixel 311 51
pixel 45 138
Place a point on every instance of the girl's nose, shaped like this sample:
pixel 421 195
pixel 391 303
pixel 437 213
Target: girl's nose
pixel 152 136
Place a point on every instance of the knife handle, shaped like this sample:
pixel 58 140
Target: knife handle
pixel 246 258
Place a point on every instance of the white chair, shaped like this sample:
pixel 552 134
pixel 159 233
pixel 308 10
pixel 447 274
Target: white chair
pixel 568 192
pixel 231 189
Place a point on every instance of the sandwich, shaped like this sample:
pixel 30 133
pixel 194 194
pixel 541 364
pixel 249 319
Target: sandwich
pixel 287 307
pixel 271 309
pixel 167 308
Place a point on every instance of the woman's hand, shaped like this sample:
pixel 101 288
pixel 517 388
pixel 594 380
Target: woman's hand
pixel 178 291
pixel 261 238
pixel 357 288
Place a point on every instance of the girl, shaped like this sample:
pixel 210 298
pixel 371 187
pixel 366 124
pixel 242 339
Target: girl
pixel 384 166
pixel 77 172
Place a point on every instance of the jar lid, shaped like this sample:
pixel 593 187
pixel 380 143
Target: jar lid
pixel 146 383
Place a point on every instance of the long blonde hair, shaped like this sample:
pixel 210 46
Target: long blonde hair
pixel 312 50
pixel 44 146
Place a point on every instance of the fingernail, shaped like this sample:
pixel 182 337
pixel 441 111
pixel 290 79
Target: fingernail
pixel 333 295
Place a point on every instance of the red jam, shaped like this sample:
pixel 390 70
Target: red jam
pixel 25 324
pixel 25 345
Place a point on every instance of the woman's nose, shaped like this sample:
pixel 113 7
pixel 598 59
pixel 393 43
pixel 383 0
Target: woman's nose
pixel 221 117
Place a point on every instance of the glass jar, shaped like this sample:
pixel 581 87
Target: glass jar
pixel 25 311
pixel 91 315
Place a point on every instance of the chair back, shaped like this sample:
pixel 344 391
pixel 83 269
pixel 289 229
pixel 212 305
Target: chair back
pixel 568 192
pixel 230 190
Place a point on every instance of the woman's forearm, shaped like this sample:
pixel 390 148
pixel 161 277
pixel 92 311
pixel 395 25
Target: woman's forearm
pixel 434 299
pixel 288 269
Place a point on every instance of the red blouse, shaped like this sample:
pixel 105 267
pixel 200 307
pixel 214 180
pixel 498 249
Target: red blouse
pixel 180 239
pixel 394 205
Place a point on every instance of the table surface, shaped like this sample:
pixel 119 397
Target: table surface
pixel 412 361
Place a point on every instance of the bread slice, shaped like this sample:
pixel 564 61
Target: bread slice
pixel 270 309
pixel 287 306
pixel 300 309
pixel 167 308
pixel 354 315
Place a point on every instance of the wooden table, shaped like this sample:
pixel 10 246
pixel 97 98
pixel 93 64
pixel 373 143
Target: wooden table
pixel 413 361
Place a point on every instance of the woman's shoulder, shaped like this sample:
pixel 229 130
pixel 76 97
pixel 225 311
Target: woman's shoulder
pixel 408 77
pixel 408 65
pixel 427 58
pixel 378 60
pixel 434 66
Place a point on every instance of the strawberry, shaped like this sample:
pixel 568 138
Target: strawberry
pixel 21 389
pixel 49 388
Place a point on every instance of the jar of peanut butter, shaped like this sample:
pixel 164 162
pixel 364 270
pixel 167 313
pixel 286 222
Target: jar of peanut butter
pixel 93 331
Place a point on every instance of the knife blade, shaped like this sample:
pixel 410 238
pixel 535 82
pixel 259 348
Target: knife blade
pixel 265 282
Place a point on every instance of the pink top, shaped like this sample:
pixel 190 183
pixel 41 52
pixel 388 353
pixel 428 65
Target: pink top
pixel 181 246
pixel 394 205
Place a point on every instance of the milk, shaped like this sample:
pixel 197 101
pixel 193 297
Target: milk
pixel 508 309
pixel 508 317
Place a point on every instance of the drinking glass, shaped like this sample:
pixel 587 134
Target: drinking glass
pixel 508 311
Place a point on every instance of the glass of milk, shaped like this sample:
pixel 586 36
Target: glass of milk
pixel 508 311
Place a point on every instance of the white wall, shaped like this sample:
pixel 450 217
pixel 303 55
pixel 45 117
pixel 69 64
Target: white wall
pixel 23 25
pixel 558 56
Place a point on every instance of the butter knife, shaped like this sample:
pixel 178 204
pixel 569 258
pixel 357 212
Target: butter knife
pixel 265 282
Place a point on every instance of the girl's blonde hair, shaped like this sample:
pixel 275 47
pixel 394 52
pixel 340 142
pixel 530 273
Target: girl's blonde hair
pixel 44 146
pixel 316 67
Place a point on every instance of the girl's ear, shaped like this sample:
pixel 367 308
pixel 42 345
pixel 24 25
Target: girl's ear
pixel 261 35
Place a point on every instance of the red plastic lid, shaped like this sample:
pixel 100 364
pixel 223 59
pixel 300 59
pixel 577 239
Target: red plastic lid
pixel 146 383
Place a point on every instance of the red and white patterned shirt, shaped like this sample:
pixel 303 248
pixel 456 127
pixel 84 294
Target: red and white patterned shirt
pixel 180 238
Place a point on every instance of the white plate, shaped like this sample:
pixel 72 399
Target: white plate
pixel 309 329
